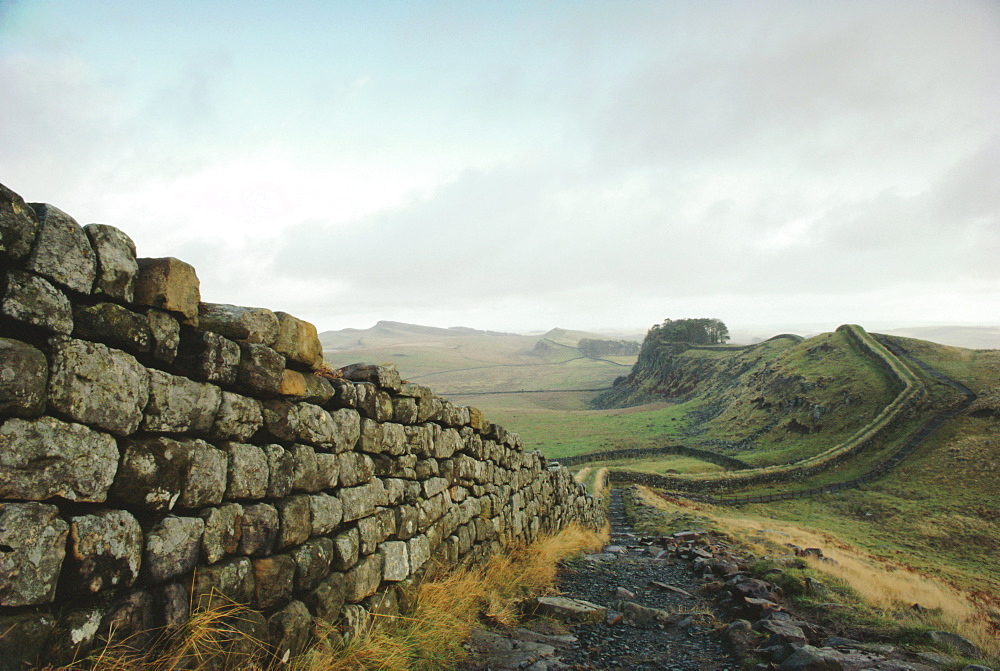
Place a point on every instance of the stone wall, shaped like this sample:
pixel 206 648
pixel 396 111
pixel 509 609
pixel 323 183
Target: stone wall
pixel 159 453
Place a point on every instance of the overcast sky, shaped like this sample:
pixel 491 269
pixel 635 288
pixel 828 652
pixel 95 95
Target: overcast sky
pixel 524 165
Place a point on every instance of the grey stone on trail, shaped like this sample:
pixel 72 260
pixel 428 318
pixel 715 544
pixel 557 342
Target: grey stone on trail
pixel 179 405
pixel 45 457
pixel 172 547
pixel 36 538
pixel 23 377
pixel 260 530
pixel 113 325
pixel 62 251
pixel 116 264
pixel 32 300
pixel 169 284
pixel 165 334
pixel 95 385
pixel 809 658
pixel 238 418
pixel 223 529
pixel 565 609
pixel 251 325
pixel 18 225
pixel 105 550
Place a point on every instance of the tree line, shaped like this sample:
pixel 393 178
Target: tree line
pixel 700 331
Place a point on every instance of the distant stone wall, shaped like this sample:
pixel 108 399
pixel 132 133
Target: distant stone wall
pixel 727 462
pixel 158 452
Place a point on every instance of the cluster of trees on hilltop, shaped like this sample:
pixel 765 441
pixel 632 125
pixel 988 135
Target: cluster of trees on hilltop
pixel 701 331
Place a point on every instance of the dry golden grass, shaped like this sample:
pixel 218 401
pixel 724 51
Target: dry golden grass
pixel 581 475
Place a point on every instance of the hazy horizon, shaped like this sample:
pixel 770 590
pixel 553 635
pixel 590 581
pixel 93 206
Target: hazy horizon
pixel 517 166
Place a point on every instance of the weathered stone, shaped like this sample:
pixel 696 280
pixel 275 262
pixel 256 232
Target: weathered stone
pixel 32 300
pixel 288 630
pixel 165 333
pixel 386 377
pixel 113 325
pixel 382 438
pixel 446 444
pixel 348 429
pixel 105 550
pixel 34 540
pixel 298 341
pixel 45 457
pixel 420 439
pixel 18 225
pixel 178 405
pixel 281 471
pixel 566 609
pixel 345 394
pixel 223 530
pixel 238 418
pixel 116 264
pixel 130 620
pixel 358 501
pixel 207 356
pixel 22 379
pixel 203 473
pixel 327 470
pixel 305 474
pixel 354 621
pixel 228 581
pixel 260 530
pixel 406 522
pixel 274 580
pixel 355 468
pixel 312 424
pixel 319 390
pixel 312 562
pixel 325 513
pixel 295 521
pixel 434 486
pixel 72 637
pixel 329 596
pixel 62 252
pixel 419 550
pixel 175 602
pixel 172 547
pixel 293 383
pixel 959 644
pixel 22 644
pixel 252 325
pixel 404 410
pixel 345 549
pixel 395 561
pixel 376 528
pixel 808 658
pixel 169 284
pixel 248 472
pixel 362 580
pixel 402 466
pixel 260 370
pixel 150 476
pixel 95 385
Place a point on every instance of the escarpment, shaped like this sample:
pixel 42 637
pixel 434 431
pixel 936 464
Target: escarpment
pixel 160 454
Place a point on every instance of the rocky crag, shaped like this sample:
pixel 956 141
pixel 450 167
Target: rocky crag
pixel 159 453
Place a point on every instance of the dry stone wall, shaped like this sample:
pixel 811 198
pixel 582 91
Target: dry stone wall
pixel 159 453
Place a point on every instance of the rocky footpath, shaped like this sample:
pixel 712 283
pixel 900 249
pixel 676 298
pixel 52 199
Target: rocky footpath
pixel 689 600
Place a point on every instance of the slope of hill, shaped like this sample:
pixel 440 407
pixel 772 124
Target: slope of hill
pixel 972 337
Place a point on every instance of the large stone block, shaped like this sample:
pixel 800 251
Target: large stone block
pixel 207 356
pixel 348 429
pixel 355 469
pixel 298 341
pixel 223 530
pixel 260 530
pixel 386 377
pixel 382 438
pixel 295 521
pixel 238 418
pixel 113 325
pixel 274 579
pixel 150 476
pixel 34 540
pixel 395 561
pixel 23 377
pixel 169 284
pixel 260 370
pixel 116 264
pixel 228 581
pixel 95 385
pixel 288 630
pixel 248 473
pixel 319 390
pixel 105 550
pixel 447 443
pixel 34 301
pixel 165 335
pixel 328 598
pixel 203 471
pixel 62 251
pixel 327 470
pixel 252 325
pixel 376 528
pixel 363 580
pixel 419 550
pixel 305 474
pixel 313 425
pixel 172 547
pixel 18 225
pixel 358 501
pixel 45 457
pixel 346 546
pixel 281 471
pixel 179 405
pixel 277 420
pixel 325 513
pixel 312 562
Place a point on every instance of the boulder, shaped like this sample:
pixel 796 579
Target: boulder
pixel 95 385
pixel 31 300
pixel 959 644
pixel 116 264
pixel 104 551
pixel 238 418
pixel 566 609
pixel 223 530
pixel 34 540
pixel 113 325
pixel 18 225
pixel 169 284
pixel 298 341
pixel 250 325
pixel 261 369
pixel 172 547
pixel 62 251
pixel 23 377
pixel 43 458
pixel 179 405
